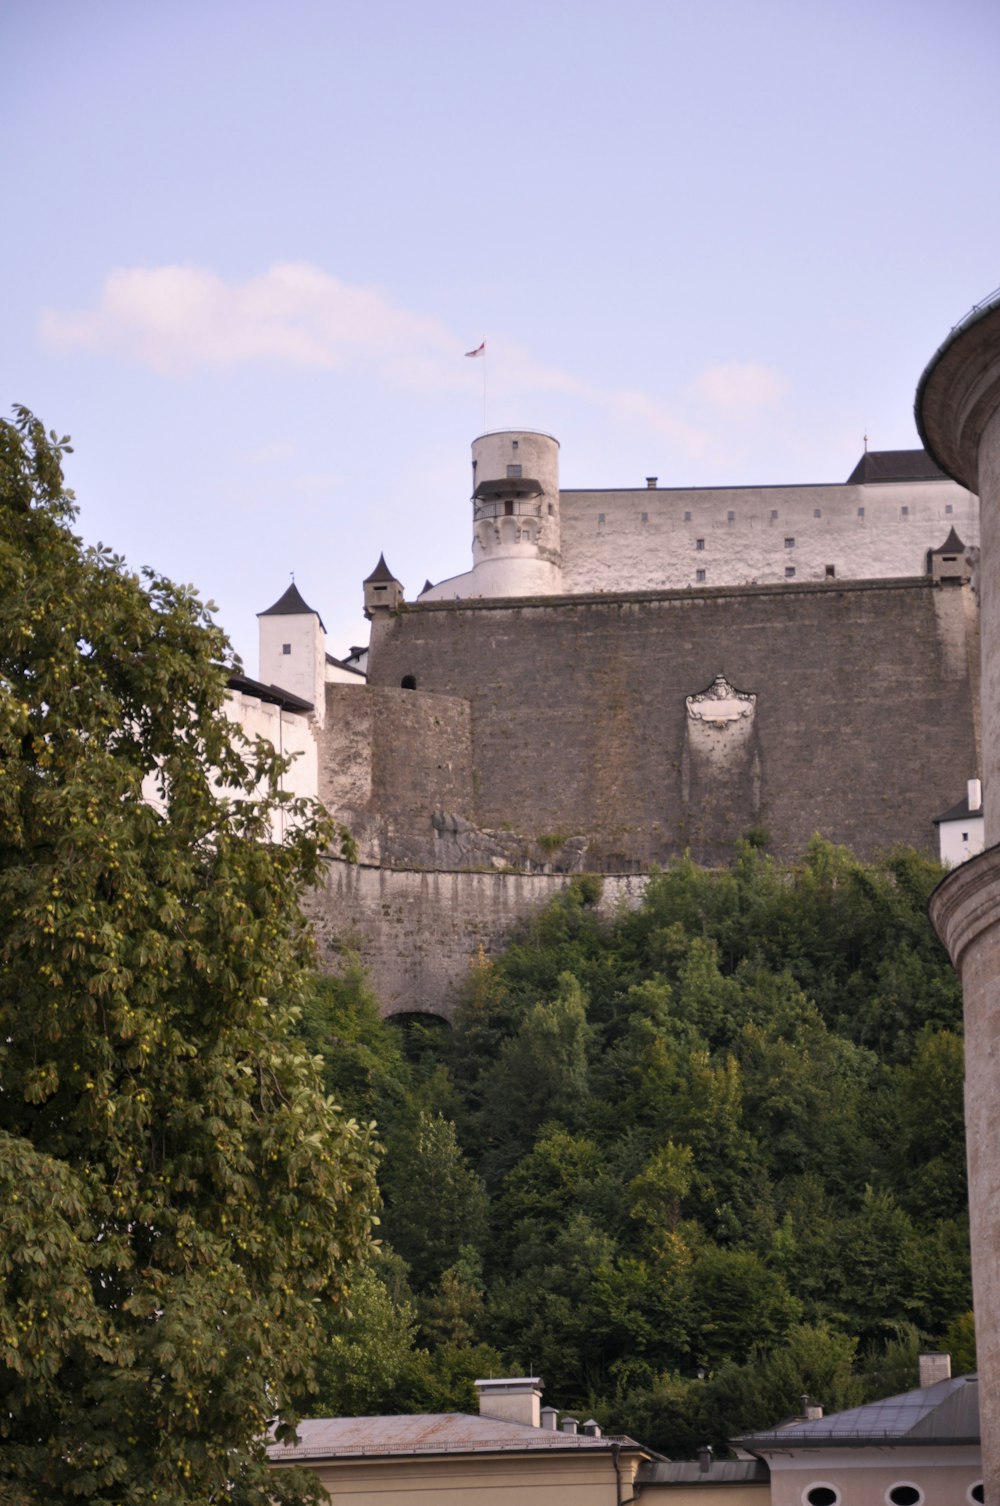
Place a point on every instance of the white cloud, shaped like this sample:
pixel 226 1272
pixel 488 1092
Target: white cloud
pixel 740 385
pixel 176 320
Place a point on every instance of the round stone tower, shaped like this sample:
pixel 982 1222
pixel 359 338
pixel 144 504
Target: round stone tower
pixel 515 500
pixel 958 415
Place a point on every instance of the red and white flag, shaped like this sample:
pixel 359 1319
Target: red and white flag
pixel 480 350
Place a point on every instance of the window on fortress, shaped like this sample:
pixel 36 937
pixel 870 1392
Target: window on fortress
pixel 644 517
pixel 948 507
pixel 513 470
pixel 831 571
pixel 408 682
pixel 904 511
pixel 774 515
pixel 905 1495
pixel 976 1492
pixel 817 512
pixel 286 648
pixel 600 520
pixel 789 572
pixel 789 543
pixel 699 543
pixel 687 517
pixel 699 576
pixel 861 512
pixel 730 517
pixel 822 1495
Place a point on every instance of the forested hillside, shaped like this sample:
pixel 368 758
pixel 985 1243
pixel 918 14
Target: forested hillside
pixel 686 1164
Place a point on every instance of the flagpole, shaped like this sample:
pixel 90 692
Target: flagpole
pixel 484 386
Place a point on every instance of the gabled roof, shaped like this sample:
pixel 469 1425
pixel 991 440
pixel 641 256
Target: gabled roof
pixel 291 604
pixel 431 1433
pixel 895 465
pixel 947 1412
pixel 960 812
pixel 380 573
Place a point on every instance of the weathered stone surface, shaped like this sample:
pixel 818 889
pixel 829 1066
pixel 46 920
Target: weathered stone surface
pixel 420 933
pixel 863 726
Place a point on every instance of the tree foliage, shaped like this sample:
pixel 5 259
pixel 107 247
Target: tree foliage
pixel 721 1139
pixel 181 1200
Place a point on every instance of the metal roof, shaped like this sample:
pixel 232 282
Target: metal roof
pixel 272 694
pixel 947 1412
pixel 431 1433
pixel 895 465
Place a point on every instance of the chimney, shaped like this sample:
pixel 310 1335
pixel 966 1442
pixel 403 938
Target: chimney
pixel 592 1428
pixel 705 1458
pixel 569 1425
pixel 975 796
pixel 934 1367
pixel 651 483
pixel 811 1410
pixel 549 1416
pixel 513 1399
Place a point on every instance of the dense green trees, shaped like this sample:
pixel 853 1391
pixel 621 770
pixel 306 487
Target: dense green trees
pixel 721 1141
pixel 180 1200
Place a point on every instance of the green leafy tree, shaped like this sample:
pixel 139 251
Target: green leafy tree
pixel 179 1195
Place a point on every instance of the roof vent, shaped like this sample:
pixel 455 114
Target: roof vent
pixel 811 1410
pixel 549 1416
pixel 592 1428
pixel 651 482
pixel 705 1458
pixel 569 1425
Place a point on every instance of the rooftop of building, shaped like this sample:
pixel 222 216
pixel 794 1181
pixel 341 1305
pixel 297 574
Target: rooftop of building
pixel 431 1433
pixel 944 1413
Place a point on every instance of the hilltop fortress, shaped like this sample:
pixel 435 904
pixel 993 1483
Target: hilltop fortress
pixel 621 677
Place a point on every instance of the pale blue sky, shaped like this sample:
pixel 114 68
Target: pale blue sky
pixel 248 243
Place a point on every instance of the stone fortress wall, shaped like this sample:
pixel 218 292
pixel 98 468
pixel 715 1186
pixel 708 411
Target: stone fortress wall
pixel 577 703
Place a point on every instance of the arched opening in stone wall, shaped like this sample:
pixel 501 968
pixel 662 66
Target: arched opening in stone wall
pixel 408 682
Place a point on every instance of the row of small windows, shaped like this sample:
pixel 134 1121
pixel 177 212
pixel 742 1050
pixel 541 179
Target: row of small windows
pixel 830 573
pixel 904 1493
pixel 904 512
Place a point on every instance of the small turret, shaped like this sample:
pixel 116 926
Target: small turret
pixel 293 649
pixel 383 591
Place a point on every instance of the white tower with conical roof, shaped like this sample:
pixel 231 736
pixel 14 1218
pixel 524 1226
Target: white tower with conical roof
pixel 293 649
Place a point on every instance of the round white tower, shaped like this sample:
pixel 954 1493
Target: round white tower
pixel 515 500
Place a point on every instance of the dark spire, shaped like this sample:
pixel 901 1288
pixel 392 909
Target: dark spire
pixel 380 573
pixel 291 604
pixel 952 544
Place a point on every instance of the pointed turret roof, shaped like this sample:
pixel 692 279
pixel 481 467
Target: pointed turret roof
pixel 291 604
pixel 952 544
pixel 380 573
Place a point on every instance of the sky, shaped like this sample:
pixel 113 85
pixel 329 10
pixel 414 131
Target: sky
pixel 247 245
